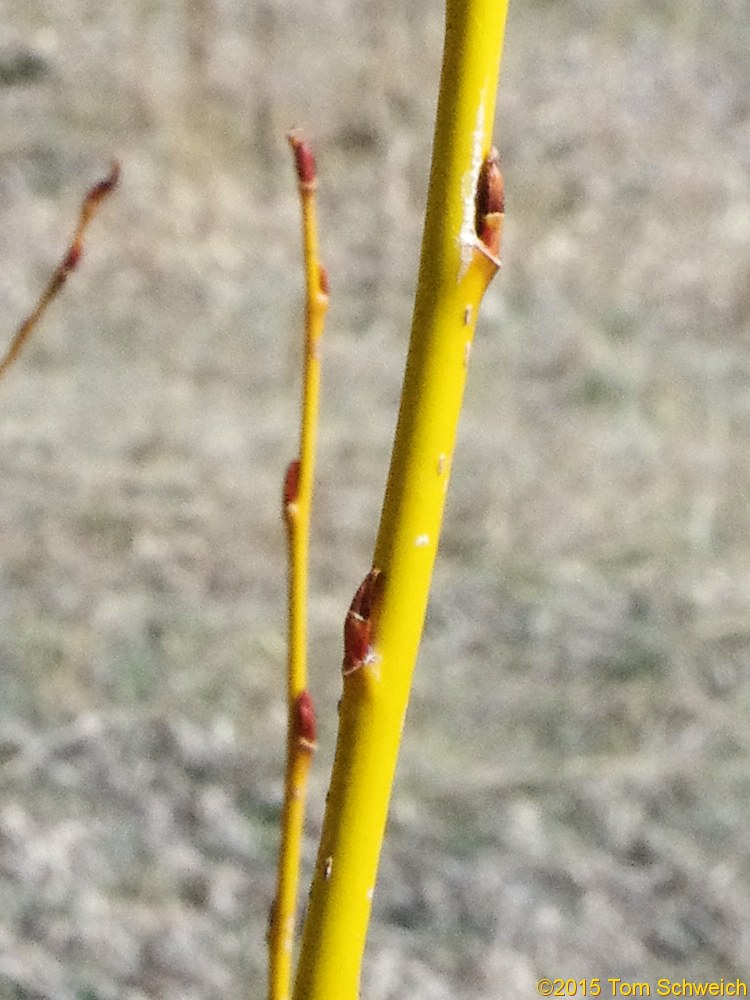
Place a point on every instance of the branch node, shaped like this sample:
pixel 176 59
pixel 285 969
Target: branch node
pixel 291 485
pixel 305 724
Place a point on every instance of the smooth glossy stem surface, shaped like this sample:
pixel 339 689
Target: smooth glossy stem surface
pixel 455 270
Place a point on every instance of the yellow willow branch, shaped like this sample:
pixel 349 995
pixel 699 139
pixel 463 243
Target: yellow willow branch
pixel 298 487
pixel 90 205
pixel 384 624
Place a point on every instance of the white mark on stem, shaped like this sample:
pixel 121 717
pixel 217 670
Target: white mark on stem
pixel 421 541
pixel 468 313
pixel 441 463
pixel 327 868
pixel 373 664
pixel 467 238
pixel 370 894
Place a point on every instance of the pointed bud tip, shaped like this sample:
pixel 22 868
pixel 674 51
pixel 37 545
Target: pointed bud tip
pixel 359 624
pixel 103 187
pixel 490 198
pixel 304 160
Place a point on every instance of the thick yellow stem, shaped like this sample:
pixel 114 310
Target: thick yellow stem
pixel 384 625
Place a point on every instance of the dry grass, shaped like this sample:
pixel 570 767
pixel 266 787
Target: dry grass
pixel 573 790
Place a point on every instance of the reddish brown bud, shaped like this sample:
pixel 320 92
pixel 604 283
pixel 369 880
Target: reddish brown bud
pixel 490 206
pixel 72 257
pixel 67 264
pixel 304 160
pixel 103 187
pixel 323 280
pixel 490 196
pixel 291 483
pixel 304 723
pixel 359 624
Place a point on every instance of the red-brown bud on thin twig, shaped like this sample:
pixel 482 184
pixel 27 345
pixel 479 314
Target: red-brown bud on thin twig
pixel 304 160
pixel 72 257
pixel 291 484
pixel 305 725
pixel 91 203
pixel 103 187
pixel 68 263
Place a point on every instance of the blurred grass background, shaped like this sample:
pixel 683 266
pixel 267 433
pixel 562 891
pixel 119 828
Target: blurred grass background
pixel 573 791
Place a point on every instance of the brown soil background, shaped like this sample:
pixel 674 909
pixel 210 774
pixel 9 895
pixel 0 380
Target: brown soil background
pixel 573 792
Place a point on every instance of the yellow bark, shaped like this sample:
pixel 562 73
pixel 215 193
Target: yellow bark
pixel 384 625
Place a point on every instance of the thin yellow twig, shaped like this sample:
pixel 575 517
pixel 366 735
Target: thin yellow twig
pixel 298 488
pixel 90 205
